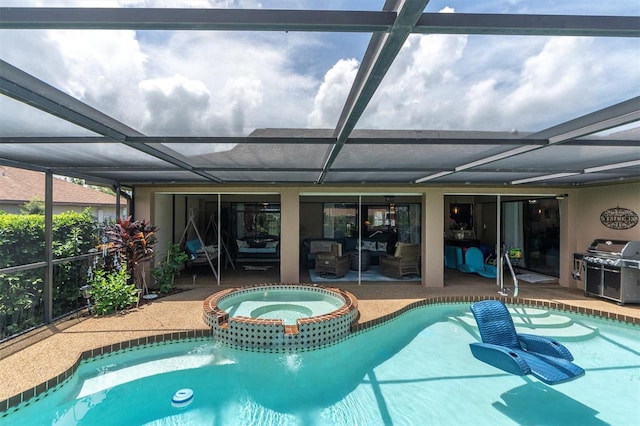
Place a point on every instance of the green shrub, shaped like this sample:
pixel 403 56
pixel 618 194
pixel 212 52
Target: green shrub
pixel 169 267
pixel 110 291
pixel 33 206
pixel 73 234
pixel 22 242
pixel 21 239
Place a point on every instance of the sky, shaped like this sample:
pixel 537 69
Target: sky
pixel 195 83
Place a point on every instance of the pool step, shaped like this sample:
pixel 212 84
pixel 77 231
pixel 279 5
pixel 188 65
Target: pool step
pixel 550 321
pixel 526 311
pixel 552 325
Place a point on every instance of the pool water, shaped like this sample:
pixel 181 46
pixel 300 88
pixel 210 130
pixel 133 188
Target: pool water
pixel 287 312
pixel 416 369
pixel 285 304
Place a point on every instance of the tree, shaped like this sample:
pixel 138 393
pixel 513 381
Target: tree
pixel 33 206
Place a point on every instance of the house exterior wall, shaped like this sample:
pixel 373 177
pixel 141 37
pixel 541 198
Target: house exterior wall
pixel 100 212
pixel 163 211
pixel 583 211
pixel 289 232
pixel 579 222
pixel 432 238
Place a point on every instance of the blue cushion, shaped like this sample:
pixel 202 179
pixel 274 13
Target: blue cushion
pixel 193 246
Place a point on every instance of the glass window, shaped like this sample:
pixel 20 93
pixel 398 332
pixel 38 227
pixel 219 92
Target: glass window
pixel 256 220
pixel 340 220
pixel 399 222
pixel 408 223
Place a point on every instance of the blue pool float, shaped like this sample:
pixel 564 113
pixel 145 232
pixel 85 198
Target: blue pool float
pixel 182 398
pixel 520 354
pixel 474 263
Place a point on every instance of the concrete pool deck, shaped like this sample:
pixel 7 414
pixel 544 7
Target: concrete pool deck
pixel 34 358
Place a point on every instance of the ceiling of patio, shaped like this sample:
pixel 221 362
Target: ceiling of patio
pixel 341 92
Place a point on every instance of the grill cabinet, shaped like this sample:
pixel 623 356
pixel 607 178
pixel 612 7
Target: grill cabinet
pixel 612 270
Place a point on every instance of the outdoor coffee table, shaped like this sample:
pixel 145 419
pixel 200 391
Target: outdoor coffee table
pixel 362 258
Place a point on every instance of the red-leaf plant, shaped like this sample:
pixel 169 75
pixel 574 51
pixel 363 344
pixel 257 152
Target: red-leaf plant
pixel 136 240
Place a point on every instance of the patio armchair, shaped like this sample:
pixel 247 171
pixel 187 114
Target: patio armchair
pixel 405 261
pixel 333 262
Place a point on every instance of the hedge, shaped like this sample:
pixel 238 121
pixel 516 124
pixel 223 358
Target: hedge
pixel 22 242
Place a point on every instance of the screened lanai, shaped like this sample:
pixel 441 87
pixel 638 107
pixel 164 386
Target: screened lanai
pixel 414 92
pixel 336 98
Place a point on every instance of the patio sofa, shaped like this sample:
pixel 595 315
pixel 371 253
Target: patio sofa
pixel 267 246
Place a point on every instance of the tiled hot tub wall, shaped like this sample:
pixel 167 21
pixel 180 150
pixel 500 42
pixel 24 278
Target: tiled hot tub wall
pixel 270 335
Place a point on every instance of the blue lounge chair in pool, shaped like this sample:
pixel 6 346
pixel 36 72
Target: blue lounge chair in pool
pixel 474 263
pixel 519 354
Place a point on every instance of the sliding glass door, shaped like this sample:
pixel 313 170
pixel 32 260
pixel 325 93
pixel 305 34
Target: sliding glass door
pixel 531 230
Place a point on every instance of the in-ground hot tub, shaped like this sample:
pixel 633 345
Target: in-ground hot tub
pixel 280 318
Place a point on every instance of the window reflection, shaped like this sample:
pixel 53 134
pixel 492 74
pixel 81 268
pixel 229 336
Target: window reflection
pixel 391 222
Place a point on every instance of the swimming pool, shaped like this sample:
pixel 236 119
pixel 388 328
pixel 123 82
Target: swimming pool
pixel 415 369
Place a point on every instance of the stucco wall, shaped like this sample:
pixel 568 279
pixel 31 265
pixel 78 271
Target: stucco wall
pixel 583 220
pixel 587 205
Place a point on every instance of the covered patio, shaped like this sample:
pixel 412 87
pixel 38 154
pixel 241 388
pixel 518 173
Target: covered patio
pixel 429 145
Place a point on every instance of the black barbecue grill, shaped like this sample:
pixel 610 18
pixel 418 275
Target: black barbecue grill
pixel 612 270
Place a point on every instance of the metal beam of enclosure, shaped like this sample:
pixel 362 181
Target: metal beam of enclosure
pixel 196 19
pixel 23 87
pixel 314 20
pixel 390 28
pixel 380 54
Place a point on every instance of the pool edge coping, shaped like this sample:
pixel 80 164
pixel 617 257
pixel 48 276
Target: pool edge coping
pixel 36 391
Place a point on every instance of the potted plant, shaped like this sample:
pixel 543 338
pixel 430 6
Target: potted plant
pixel 167 269
pixel 135 241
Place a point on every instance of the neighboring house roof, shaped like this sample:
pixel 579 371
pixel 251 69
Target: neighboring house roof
pixel 18 186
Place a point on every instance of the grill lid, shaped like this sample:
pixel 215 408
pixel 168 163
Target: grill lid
pixel 615 248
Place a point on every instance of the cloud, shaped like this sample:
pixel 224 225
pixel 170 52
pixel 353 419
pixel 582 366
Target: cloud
pixel 417 90
pixel 566 78
pixel 96 67
pixel 250 78
pixel 561 75
pixel 174 106
pixel 179 106
pixel 229 83
pixel 332 94
pixel 459 82
pixel 99 66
